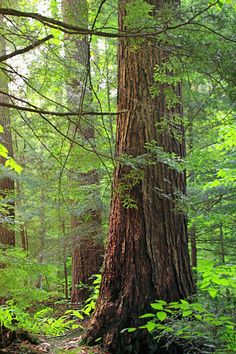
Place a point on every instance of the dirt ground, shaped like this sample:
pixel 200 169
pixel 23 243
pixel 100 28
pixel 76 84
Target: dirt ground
pixel 68 344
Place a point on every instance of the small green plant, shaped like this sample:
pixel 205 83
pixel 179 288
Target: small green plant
pixel 42 322
pixel 15 317
pixel 192 325
pixel 58 326
pixel 90 303
pixel 217 280
pixel 10 163
pixel 19 276
pixel 130 179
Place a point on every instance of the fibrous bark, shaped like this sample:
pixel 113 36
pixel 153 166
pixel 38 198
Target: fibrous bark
pixel 87 246
pixel 7 233
pixel 147 252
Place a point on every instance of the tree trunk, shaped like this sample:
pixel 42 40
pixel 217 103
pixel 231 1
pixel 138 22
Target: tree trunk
pixel 7 233
pixel 87 226
pixel 193 241
pixel 221 243
pixel 147 253
pixel 24 238
pixel 192 230
pixel 42 234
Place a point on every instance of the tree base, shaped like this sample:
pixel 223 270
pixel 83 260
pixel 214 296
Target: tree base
pixel 138 342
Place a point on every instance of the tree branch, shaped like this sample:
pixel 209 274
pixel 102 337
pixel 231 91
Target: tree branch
pixel 72 29
pixel 59 114
pixel 26 49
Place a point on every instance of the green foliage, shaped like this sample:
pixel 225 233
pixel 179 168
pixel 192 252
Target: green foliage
pixel 132 178
pixel 10 162
pixel 14 316
pixel 56 326
pixel 166 77
pixel 3 151
pixel 208 323
pixel 42 322
pixel 90 303
pixel 217 280
pixel 19 276
pixel 138 14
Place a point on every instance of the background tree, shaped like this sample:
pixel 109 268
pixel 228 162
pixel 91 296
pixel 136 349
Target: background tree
pixel 87 250
pixel 7 214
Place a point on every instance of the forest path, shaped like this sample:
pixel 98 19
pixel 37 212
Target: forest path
pixel 68 344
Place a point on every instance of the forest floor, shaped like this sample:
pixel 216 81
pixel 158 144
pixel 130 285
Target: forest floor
pixel 68 344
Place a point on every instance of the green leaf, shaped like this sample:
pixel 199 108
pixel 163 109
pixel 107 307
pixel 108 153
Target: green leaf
pixel 187 313
pixel 157 306
pixel 162 302
pixel 212 292
pixel 150 326
pixel 147 315
pixel 184 302
pixel 161 315
pixel 98 339
pixel 204 284
pixel 3 151
pixel 223 282
pixel 74 326
pixel 12 164
pixel 132 329
pixel 220 4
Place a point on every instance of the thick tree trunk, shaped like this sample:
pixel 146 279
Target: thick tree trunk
pixel 147 252
pixel 87 226
pixel 7 233
pixel 87 253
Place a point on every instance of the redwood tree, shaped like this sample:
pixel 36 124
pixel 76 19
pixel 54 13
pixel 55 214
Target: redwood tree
pixel 87 248
pixel 147 252
pixel 7 234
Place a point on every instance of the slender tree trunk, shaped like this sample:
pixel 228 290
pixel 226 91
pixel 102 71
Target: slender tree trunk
pixel 65 243
pixel 221 242
pixel 42 234
pixel 7 233
pixel 23 229
pixel 87 227
pixel 193 242
pixel 147 254
pixel 192 231
pixel 24 238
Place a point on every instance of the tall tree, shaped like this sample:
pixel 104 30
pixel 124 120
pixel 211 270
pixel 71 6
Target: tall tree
pixel 7 214
pixel 86 225
pixel 147 252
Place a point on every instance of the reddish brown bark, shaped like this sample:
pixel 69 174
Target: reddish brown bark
pixel 147 252
pixel 7 216
pixel 87 226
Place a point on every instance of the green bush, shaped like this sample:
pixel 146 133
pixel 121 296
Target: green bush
pixel 206 322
